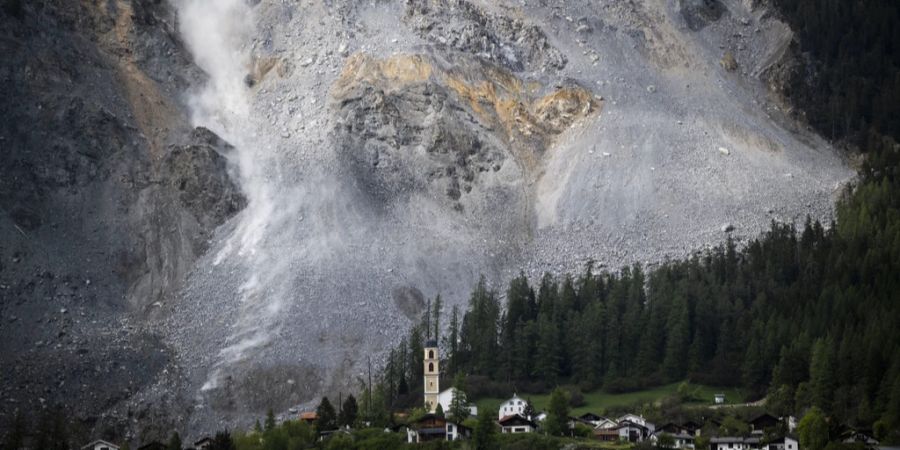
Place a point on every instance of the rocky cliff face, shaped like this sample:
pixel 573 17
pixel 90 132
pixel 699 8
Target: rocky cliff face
pixel 107 196
pixel 211 208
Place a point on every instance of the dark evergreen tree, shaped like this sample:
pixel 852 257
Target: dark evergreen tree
pixel 222 441
pixel 326 417
pixel 349 412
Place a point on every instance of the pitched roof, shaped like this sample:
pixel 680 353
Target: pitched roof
pixel 764 417
pixel 628 423
pixel 516 419
pixel 309 415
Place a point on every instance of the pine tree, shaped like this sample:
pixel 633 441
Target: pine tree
pixel 484 436
pixel 436 319
pixel 452 342
pixel 813 430
pixel 459 404
pixel 222 441
pixel 270 420
pixel 547 355
pixel 677 340
pixel 348 412
pixel 326 417
pixel 557 413
pixel 821 374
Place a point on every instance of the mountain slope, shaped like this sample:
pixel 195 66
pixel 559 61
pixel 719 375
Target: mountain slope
pixel 391 151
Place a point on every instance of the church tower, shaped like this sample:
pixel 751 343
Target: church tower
pixel 432 375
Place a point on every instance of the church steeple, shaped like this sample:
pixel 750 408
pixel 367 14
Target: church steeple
pixel 432 375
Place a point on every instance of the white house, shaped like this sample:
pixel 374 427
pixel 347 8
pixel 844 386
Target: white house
pixel 631 431
pixel 511 407
pixel 446 397
pixel 734 443
pixel 719 398
pixel 681 440
pixel 100 444
pixel 785 443
pixel 516 423
pixel 639 420
pixel 457 431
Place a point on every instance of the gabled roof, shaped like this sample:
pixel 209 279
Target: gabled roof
pixel 514 397
pixel 629 424
pixel 102 442
pixel 515 419
pixel 590 416
pixel 606 423
pixel 309 415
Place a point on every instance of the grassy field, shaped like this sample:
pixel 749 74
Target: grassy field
pixel 600 402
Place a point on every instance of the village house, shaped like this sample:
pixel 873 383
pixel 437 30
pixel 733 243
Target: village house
pixel 636 419
pixel 607 434
pixel 680 439
pixel 445 398
pixel 764 422
pixel 458 431
pixel 631 431
pixel 692 427
pixel 516 423
pixel 682 436
pixel 719 399
pixel 734 443
pixel 859 437
pixel 782 443
pixel 100 444
pixel 309 417
pixel 431 427
pixel 513 406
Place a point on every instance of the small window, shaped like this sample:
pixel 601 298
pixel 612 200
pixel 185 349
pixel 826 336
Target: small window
pixel 431 367
pixel 430 354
